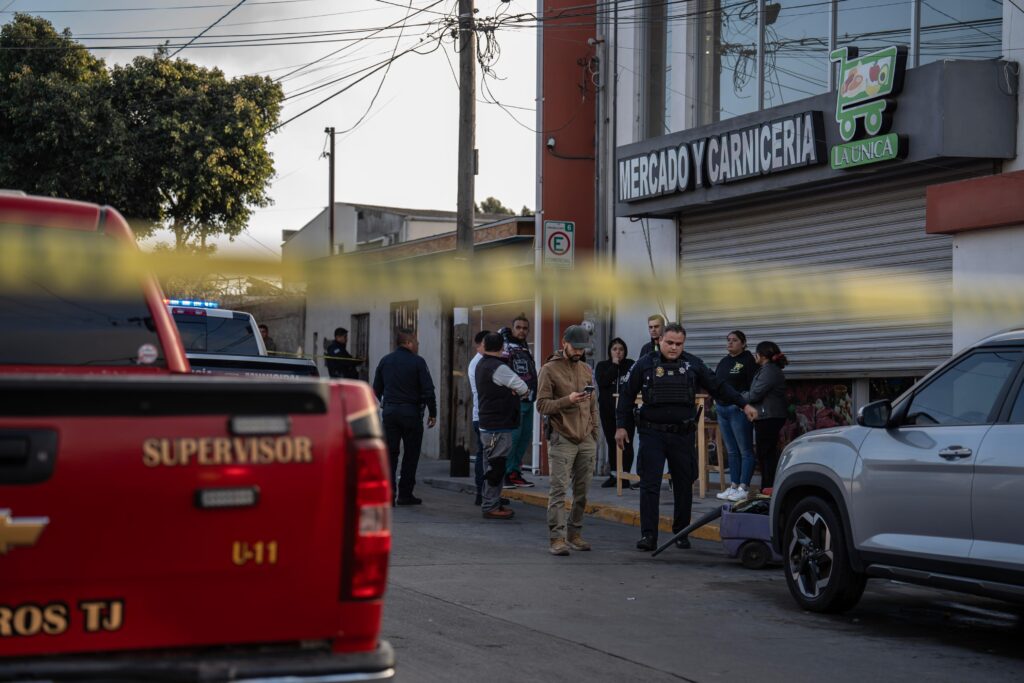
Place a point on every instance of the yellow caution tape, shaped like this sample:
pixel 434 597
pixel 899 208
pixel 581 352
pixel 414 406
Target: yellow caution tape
pixel 46 260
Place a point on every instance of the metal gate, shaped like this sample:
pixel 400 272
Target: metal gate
pixel 874 230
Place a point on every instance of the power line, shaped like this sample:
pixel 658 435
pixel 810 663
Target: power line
pixel 384 77
pixel 223 16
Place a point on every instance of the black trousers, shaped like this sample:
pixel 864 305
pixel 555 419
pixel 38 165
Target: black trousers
pixel 403 427
pixel 608 427
pixel 680 451
pixel 766 446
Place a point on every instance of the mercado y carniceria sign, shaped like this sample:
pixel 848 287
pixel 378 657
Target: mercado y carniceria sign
pixel 771 147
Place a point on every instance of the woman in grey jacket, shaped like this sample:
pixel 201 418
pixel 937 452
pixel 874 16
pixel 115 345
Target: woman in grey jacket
pixel 768 395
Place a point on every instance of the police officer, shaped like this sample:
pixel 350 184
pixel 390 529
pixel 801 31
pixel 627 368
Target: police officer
pixel 666 423
pixel 340 362
pixel 403 386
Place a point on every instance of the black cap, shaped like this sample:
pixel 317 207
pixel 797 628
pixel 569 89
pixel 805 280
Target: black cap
pixel 577 336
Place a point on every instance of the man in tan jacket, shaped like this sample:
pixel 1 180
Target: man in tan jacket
pixel 565 395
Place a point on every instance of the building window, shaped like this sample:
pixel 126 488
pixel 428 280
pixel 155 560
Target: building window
pixel 757 54
pixel 961 29
pixel 796 47
pixel 727 42
pixel 403 317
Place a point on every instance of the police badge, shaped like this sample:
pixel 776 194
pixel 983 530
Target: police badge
pixel 659 371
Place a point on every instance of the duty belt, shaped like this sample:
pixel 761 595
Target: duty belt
pixel 684 427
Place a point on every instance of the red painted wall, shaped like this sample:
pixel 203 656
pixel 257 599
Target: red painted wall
pixel 568 111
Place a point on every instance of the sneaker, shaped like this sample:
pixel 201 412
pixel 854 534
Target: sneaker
pixel 609 482
pixel 724 495
pixel 508 483
pixel 577 543
pixel 517 479
pixel 559 547
pixel 647 543
pixel 500 513
pixel 737 495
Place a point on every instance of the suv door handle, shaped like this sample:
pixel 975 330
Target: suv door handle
pixel 955 452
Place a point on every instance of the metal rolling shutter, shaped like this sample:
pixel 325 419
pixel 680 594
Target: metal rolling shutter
pixel 863 229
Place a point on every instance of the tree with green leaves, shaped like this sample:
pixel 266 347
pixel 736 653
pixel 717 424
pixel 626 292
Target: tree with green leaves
pixel 494 206
pixel 171 144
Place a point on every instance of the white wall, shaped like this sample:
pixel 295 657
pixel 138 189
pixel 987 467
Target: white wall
pixel 415 229
pixel 325 311
pixel 633 260
pixel 986 264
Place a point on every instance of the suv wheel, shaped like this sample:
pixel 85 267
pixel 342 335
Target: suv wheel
pixel 817 563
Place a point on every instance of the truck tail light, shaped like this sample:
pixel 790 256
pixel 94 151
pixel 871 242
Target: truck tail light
pixel 368 570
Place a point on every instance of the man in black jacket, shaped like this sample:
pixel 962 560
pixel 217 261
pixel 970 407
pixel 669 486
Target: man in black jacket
pixel 339 362
pixel 403 386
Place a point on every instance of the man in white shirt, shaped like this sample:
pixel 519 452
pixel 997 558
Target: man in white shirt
pixel 478 340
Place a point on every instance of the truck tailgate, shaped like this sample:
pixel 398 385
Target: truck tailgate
pixel 171 512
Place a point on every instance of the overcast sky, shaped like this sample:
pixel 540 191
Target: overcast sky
pixel 404 152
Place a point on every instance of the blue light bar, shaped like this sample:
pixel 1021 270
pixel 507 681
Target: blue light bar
pixel 193 303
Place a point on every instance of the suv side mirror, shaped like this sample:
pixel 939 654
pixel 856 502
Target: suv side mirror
pixel 875 414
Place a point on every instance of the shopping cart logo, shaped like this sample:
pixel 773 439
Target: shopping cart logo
pixel 865 102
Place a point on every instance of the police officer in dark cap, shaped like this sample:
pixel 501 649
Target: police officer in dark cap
pixel 666 422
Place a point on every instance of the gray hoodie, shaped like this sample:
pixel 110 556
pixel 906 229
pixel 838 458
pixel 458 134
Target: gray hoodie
pixel 768 392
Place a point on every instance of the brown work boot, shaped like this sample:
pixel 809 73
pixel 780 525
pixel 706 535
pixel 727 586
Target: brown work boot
pixel 559 547
pixel 500 513
pixel 577 543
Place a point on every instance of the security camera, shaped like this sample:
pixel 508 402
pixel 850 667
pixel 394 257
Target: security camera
pixel 551 143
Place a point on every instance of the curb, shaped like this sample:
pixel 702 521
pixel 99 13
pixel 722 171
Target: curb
pixel 610 513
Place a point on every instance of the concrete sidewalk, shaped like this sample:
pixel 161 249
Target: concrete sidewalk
pixel 601 503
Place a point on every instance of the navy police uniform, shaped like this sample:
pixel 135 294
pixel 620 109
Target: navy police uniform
pixel 667 424
pixel 403 385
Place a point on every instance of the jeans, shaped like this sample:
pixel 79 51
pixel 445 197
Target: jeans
pixel 496 447
pixel 571 464
pixel 404 427
pixel 738 435
pixel 680 451
pixel 478 466
pixel 521 439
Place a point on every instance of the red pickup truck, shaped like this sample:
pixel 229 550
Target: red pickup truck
pixel 160 525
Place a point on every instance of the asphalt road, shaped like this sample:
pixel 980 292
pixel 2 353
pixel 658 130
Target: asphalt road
pixel 476 600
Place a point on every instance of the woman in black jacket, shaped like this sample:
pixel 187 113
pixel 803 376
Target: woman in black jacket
pixel 768 395
pixel 737 369
pixel 610 375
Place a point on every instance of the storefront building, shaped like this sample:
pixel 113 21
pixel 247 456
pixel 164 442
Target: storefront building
pixel 762 138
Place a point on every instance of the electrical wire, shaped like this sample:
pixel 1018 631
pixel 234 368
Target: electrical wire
pixel 203 32
pixel 382 78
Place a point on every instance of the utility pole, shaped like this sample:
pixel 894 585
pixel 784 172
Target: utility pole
pixel 330 194
pixel 455 346
pixel 467 130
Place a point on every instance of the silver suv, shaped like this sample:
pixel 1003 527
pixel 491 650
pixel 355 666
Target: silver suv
pixel 926 489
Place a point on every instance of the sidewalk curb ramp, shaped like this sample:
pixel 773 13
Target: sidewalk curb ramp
pixel 610 513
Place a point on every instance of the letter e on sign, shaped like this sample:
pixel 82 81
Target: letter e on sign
pixel 559 243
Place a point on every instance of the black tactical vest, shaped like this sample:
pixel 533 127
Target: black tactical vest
pixel 669 384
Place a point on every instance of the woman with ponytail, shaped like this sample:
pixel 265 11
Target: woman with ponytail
pixel 768 395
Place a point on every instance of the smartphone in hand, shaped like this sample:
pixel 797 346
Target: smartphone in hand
pixel 589 388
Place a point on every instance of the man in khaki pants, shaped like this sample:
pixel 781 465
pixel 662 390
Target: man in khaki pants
pixel 565 394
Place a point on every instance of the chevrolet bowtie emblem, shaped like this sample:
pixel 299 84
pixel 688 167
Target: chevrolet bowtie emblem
pixel 19 532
